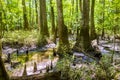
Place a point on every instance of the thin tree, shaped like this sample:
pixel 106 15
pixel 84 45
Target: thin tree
pixel 103 18
pixel 53 30
pixel 80 7
pixel 92 26
pixel 72 11
pixel 78 29
pixel 33 14
pixel 36 10
pixel 30 12
pixel 26 25
pixel 77 10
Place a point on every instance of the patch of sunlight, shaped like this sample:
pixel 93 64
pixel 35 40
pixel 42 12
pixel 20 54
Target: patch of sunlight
pixel 35 57
pixel 47 53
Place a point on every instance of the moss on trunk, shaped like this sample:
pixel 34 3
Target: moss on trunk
pixel 64 46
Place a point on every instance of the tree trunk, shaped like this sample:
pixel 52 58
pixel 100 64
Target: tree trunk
pixel 72 12
pixel 3 73
pixel 83 42
pixel 85 27
pixel 52 21
pixel 42 24
pixel 26 26
pixel 30 18
pixel 77 11
pixel 78 29
pixel 33 16
pixel 73 6
pixel 41 40
pixel 92 28
pixel 56 31
pixel 44 15
pixel 103 18
pixel 63 32
pixel 36 10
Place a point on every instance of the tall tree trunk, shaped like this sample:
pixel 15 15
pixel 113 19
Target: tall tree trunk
pixel 116 19
pixel 33 15
pixel 3 73
pixel 77 10
pixel 30 12
pixel 73 6
pixel 103 18
pixel 72 12
pixel 26 26
pixel 36 10
pixel 52 22
pixel 80 6
pixel 63 32
pixel 41 40
pixel 85 27
pixel 92 26
pixel 46 32
pixel 56 34
pixel 42 24
pixel 83 42
pixel 78 29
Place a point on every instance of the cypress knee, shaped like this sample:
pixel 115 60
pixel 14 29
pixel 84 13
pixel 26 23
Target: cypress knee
pixel 35 67
pixel 25 72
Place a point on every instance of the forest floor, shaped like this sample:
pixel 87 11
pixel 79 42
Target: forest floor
pixel 43 56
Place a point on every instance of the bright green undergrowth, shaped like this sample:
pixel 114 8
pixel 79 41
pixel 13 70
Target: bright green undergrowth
pixel 20 36
pixel 104 70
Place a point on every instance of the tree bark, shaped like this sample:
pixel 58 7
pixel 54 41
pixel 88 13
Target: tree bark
pixel 44 15
pixel 78 29
pixel 26 25
pixel 3 73
pixel 43 28
pixel 36 10
pixel 52 22
pixel 103 18
pixel 77 10
pixel 92 26
pixel 83 42
pixel 30 18
pixel 85 27
pixel 63 32
pixel 41 40
pixel 33 16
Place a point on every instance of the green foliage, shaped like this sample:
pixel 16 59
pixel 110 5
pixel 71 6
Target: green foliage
pixel 24 37
pixel 64 66
pixel 104 70
pixel 13 14
pixel 111 13
pixel 72 73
